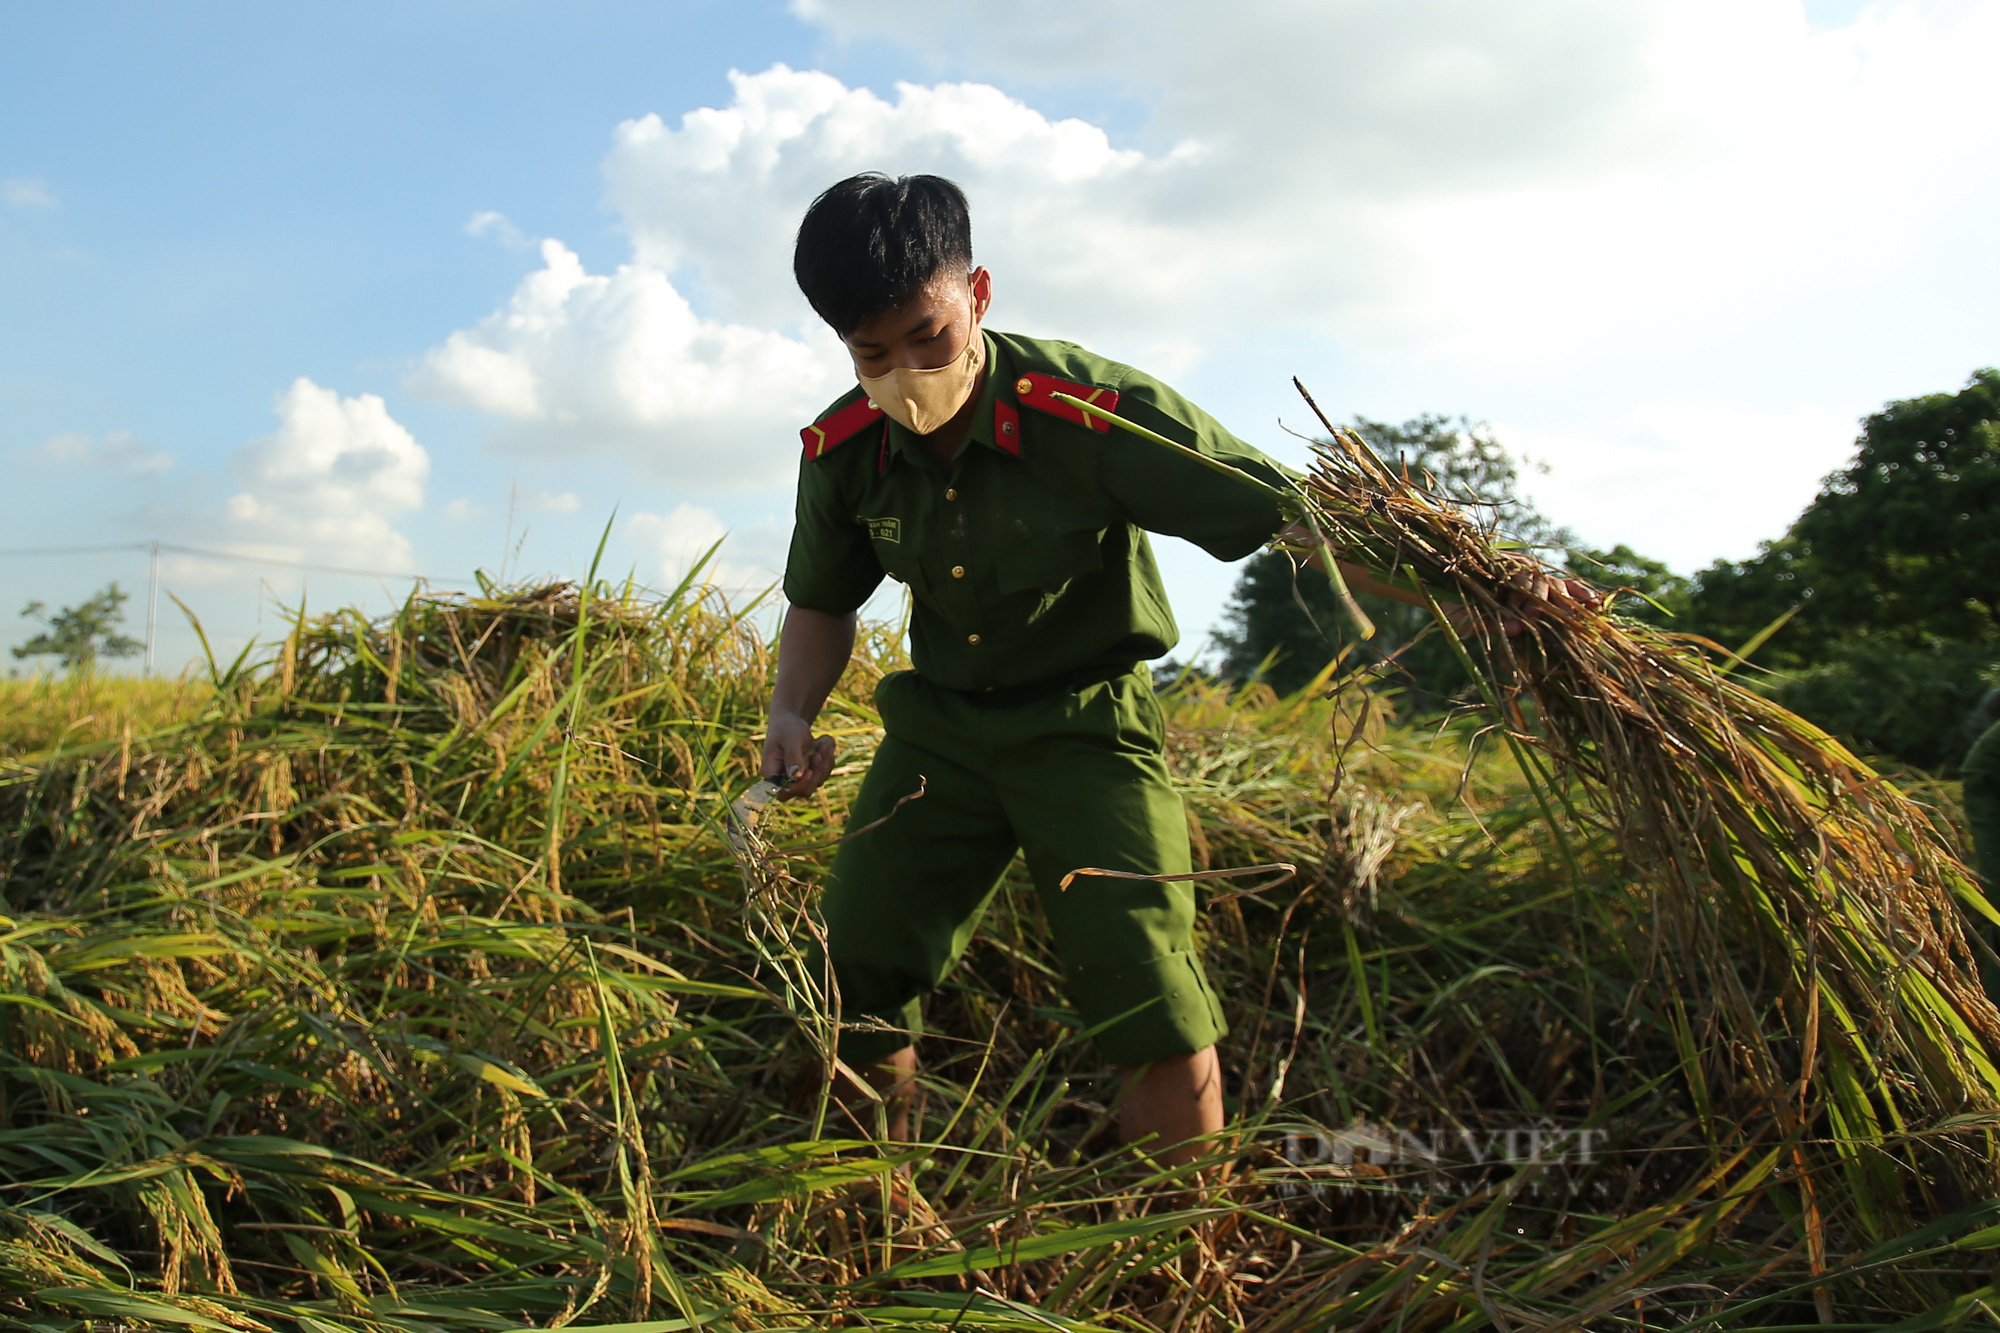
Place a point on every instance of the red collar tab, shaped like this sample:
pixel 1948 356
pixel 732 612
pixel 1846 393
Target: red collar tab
pixel 836 428
pixel 1006 426
pixel 1037 391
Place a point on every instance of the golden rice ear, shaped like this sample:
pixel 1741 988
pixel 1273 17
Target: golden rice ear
pixel 1794 881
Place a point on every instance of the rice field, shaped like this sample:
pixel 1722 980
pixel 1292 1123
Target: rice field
pixel 403 980
pixel 44 713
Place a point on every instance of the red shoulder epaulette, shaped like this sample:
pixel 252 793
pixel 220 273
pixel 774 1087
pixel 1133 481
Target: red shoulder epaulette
pixel 839 426
pixel 1036 391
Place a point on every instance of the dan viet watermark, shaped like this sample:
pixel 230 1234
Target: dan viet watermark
pixel 1377 1157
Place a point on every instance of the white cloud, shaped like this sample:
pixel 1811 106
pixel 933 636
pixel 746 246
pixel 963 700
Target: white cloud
pixel 580 361
pixel 498 226
pixel 549 502
pixel 1746 473
pixel 1557 212
pixel 27 192
pixel 1504 181
pixel 672 545
pixel 1073 221
pixel 1550 213
pixel 326 485
pixel 1787 164
pixel 114 451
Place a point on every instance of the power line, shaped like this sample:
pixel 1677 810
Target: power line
pixel 303 564
pixel 225 555
pixel 153 573
pixel 78 550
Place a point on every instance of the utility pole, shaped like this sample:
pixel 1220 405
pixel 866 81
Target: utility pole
pixel 152 605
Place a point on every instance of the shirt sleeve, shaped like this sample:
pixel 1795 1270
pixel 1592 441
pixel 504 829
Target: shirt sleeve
pixel 1168 493
pixel 831 566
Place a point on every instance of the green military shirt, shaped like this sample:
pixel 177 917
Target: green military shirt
pixel 1026 557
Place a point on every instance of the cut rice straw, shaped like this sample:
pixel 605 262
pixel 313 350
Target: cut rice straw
pixel 1814 918
pixel 1814 915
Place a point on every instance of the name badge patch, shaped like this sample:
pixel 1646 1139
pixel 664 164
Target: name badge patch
pixel 885 529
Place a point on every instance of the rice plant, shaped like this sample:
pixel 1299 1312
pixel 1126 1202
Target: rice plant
pixel 406 981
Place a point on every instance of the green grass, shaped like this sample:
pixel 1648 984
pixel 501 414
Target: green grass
pixel 404 981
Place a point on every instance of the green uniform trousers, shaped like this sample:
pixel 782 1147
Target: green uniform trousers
pixel 1074 778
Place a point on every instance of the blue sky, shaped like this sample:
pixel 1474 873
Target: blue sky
pixel 332 283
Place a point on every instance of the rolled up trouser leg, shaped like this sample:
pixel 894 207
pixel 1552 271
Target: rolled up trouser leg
pixel 1091 791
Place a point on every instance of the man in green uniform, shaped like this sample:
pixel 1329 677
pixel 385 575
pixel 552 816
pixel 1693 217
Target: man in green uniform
pixel 1019 525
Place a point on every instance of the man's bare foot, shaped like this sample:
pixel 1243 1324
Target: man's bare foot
pixel 1171 1102
pixel 882 1108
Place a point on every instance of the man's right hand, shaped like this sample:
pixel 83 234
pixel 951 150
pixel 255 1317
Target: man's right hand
pixel 813 649
pixel 794 757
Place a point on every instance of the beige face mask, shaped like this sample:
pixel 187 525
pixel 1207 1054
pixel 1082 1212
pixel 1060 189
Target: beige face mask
pixel 923 400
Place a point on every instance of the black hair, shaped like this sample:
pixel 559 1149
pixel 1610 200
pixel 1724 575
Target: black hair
pixel 871 243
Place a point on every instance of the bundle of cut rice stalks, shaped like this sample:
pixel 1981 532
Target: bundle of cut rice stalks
pixel 1814 925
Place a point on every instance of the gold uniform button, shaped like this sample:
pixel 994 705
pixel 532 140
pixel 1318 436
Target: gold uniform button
pixel 1024 385
pixel 972 639
pixel 871 404
pixel 950 494
pixel 958 571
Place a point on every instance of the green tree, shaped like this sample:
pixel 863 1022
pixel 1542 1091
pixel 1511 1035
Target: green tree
pixel 1894 571
pixel 1902 545
pixel 78 635
pixel 1887 697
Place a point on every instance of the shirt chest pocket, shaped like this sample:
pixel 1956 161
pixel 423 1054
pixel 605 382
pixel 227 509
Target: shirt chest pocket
pixel 898 558
pixel 1047 567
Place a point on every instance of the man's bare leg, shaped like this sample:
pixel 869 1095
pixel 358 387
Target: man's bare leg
pixel 1173 1101
pixel 894 1079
